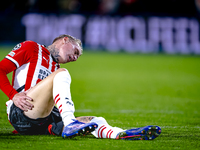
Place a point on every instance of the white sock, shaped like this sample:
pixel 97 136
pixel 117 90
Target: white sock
pixel 104 130
pixel 62 96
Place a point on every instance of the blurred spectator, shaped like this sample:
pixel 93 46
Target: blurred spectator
pixel 108 6
pixel 69 6
pixel 197 4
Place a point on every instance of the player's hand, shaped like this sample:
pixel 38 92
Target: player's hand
pixel 21 100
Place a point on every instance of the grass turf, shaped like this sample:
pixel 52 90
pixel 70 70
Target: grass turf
pixel 128 90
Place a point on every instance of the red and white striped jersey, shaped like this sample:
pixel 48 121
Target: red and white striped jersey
pixel 34 63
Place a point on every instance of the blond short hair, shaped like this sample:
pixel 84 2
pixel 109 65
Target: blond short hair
pixel 71 38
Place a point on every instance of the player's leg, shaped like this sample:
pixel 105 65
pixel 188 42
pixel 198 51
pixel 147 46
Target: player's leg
pixel 56 89
pixel 42 95
pixel 62 97
pixel 104 130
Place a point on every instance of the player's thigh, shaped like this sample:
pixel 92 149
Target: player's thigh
pixel 42 95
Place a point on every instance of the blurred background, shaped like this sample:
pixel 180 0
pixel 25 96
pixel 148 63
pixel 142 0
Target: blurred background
pixel 170 26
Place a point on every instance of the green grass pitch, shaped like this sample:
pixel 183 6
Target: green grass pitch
pixel 128 90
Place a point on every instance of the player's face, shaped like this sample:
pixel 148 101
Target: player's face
pixel 69 52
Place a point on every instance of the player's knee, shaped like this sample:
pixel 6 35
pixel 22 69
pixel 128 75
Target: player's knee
pixel 62 69
pixel 63 72
pixel 62 76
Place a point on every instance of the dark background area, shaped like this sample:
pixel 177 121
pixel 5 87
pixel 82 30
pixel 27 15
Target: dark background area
pixel 163 7
pixel 11 11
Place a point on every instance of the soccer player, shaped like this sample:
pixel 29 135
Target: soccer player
pixel 39 83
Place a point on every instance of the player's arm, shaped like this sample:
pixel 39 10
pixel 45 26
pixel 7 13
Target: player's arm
pixel 19 99
pixel 6 67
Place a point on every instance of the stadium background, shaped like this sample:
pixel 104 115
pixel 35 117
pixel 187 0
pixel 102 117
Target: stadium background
pixel 145 26
pixel 128 88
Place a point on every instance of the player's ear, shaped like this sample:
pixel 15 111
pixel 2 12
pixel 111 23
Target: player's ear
pixel 65 40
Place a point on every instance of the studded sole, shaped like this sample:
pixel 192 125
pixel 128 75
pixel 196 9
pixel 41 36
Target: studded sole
pixel 144 133
pixel 84 130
